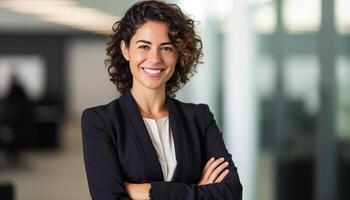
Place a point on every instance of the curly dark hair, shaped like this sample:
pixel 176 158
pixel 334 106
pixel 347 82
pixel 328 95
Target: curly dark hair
pixel 181 34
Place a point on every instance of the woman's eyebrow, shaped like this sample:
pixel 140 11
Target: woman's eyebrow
pixel 166 43
pixel 144 41
pixel 148 42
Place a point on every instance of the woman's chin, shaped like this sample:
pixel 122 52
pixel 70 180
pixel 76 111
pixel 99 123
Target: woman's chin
pixel 152 85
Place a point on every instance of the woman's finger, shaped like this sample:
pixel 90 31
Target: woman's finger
pixel 212 167
pixel 215 164
pixel 207 175
pixel 222 176
pixel 211 160
pixel 218 171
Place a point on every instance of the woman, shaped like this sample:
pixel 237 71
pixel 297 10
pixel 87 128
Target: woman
pixel 146 144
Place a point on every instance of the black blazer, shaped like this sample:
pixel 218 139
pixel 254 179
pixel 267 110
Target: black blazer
pixel 117 149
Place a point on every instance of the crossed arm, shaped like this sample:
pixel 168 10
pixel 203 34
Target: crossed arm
pixel 219 180
pixel 213 172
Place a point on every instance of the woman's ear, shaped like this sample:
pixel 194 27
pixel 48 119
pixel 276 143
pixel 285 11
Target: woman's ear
pixel 125 50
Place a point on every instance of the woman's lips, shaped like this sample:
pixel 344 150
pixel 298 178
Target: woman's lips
pixel 152 72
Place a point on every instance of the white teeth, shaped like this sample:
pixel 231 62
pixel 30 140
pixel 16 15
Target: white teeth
pixel 152 71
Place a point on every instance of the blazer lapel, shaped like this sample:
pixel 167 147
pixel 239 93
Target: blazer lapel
pixel 141 137
pixel 179 135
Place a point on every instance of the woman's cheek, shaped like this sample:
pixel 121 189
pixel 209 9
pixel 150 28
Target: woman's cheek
pixel 139 57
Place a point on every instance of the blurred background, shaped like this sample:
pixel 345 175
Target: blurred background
pixel 276 75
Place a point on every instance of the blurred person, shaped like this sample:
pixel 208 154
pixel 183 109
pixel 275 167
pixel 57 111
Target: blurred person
pixel 146 144
pixel 16 120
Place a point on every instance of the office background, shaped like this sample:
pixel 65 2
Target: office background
pixel 276 75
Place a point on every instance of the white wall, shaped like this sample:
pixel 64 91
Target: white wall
pixel 87 76
pixel 240 96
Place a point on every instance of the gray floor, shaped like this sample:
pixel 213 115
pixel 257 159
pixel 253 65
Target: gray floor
pixel 53 175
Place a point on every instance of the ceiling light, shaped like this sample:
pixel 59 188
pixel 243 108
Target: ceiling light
pixel 64 12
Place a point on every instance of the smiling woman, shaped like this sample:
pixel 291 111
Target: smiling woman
pixel 146 144
pixel 152 56
pixel 180 34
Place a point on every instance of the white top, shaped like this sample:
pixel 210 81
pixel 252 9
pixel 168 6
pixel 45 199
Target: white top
pixel 163 142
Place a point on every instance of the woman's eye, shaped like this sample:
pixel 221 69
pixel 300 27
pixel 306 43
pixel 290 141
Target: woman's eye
pixel 144 47
pixel 167 49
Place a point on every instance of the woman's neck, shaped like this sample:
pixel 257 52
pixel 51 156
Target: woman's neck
pixel 151 103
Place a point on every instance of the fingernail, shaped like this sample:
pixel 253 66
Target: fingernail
pixel 212 158
pixel 222 158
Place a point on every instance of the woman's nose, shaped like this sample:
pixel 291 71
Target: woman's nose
pixel 155 56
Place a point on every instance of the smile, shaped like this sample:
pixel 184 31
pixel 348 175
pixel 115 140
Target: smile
pixel 152 72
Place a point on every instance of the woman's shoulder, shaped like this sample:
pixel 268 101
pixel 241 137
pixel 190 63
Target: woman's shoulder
pixel 199 114
pixel 191 108
pixel 103 110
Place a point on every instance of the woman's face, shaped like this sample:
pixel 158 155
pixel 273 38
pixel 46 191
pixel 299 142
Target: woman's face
pixel 152 56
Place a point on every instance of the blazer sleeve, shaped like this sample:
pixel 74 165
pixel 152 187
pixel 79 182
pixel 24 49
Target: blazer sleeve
pixel 103 173
pixel 230 188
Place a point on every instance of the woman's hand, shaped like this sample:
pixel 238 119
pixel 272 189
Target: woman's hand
pixel 214 171
pixel 137 191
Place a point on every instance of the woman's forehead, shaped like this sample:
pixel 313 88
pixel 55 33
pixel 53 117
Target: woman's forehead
pixel 152 31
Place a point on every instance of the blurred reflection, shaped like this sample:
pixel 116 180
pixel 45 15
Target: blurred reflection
pixel 303 103
pixel 343 125
pixel 17 121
